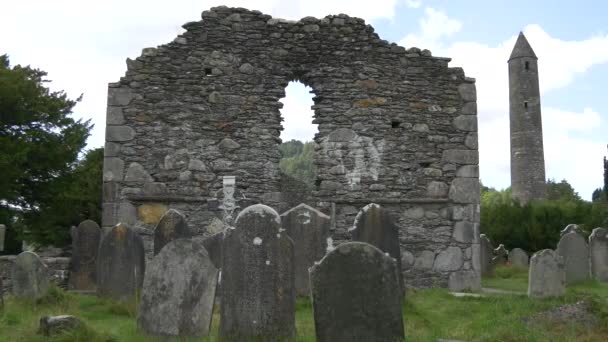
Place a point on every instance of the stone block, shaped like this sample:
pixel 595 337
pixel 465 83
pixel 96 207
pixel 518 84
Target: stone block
pixel 466 232
pixel 137 173
pixel 119 133
pixel 127 213
pixel 53 325
pixel 113 169
pixel 471 141
pixel 468 171
pixel 115 116
pixel 424 261
pixel 111 149
pixel 437 189
pixel 151 213
pixel 469 108
pixel 450 259
pixel 119 96
pixel 465 190
pixel 460 157
pixel 467 92
pixel 467 123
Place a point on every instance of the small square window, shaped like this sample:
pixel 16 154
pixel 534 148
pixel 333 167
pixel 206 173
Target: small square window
pixel 208 72
pixel 395 124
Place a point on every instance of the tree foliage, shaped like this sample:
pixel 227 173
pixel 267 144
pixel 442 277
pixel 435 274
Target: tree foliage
pixel 39 146
pixel 298 161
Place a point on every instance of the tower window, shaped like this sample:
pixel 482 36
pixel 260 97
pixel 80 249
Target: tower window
pixel 209 71
pixel 395 124
pixel 526 104
pixel 527 65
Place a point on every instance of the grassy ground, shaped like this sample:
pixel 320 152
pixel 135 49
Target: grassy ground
pixel 428 314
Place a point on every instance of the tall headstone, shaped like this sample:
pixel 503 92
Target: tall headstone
pixel 518 258
pixel 258 279
pixel 2 236
pixel 573 248
pixel 527 154
pixel 213 245
pixel 172 225
pixel 85 245
pixel 309 230
pixel 501 255
pixel 546 277
pixel 486 254
pixel 356 295
pixel 29 276
pixel 120 263
pixel 598 254
pixel 178 291
pixel 374 225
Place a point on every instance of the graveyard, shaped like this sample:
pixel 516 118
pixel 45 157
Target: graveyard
pixel 188 225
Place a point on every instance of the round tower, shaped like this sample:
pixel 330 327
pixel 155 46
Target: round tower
pixel 527 155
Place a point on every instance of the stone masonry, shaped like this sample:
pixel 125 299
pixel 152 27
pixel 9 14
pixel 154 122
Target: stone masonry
pixel 397 127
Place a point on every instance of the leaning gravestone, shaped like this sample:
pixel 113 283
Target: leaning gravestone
pixel 518 258
pixel 85 244
pixel 375 226
pixel 29 276
pixel 573 248
pixel 120 263
pixel 172 225
pixel 501 255
pixel 179 291
pixel 598 254
pixel 2 236
pixel 546 277
pixel 258 279
pixel 486 254
pixel 356 295
pixel 309 230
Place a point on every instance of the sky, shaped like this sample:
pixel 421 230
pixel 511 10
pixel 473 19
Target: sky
pixel 83 46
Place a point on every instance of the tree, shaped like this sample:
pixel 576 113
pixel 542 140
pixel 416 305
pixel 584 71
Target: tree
pixel 297 161
pixel 39 144
pixel 561 191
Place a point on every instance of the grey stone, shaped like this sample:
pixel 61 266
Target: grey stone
pixel 2 236
pixel 465 231
pixel 120 264
pixel 425 260
pixel 196 165
pixel 598 254
pixel 85 244
pixel 407 260
pixel 119 133
pixel 309 230
pixel 467 91
pixel 258 279
pixel 466 123
pixel 464 280
pixel 450 259
pixel 111 149
pixel 137 173
pixel 119 96
pixel 501 255
pixel 573 248
pixel 246 68
pixel 115 116
pixel 486 253
pixel 374 225
pixel 546 276
pixel 469 108
pixel 437 189
pixel 465 190
pixel 468 171
pixel 178 291
pixel 172 225
pixel 356 295
pixel 113 169
pixel 518 258
pixel 460 156
pixel 213 245
pixel 127 213
pixel 29 276
pixel 228 144
pixel 415 213
pixel 53 325
pixel 471 141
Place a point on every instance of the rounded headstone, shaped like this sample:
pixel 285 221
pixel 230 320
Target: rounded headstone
pixel 120 263
pixel 29 276
pixel 356 295
pixel 172 225
pixel 374 225
pixel 258 290
pixel 573 248
pixel 85 245
pixel 546 277
pixel 598 254
pixel 309 230
pixel 518 258
pixel 179 291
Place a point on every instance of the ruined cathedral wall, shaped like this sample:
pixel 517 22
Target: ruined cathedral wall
pixel 396 127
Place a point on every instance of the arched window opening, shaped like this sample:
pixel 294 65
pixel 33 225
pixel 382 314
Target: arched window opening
pixel 297 148
pixel 527 65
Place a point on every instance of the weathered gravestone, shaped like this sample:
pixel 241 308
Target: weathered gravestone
pixel 573 248
pixel 309 230
pixel 546 277
pixel 375 226
pixel 598 254
pixel 570 228
pixel 258 279
pixel 486 254
pixel 120 263
pixel 518 258
pixel 85 244
pixel 172 225
pixel 213 245
pixel 179 291
pixel 501 255
pixel 2 236
pixel 356 295
pixel 29 276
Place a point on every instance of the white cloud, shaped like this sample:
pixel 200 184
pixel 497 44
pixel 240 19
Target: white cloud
pixel 297 114
pixel 413 3
pixel 434 26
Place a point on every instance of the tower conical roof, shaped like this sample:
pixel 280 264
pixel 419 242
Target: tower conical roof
pixel 522 48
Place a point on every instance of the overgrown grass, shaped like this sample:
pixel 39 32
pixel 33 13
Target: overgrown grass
pixel 428 314
pixel 508 278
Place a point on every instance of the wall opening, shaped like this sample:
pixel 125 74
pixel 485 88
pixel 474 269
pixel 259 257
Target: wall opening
pixel 297 148
pixel 526 104
pixel 527 65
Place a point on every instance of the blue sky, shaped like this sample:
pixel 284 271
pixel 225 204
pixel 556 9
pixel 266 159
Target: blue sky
pixel 83 46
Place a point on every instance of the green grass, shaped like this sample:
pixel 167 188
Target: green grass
pixel 428 314
pixel 507 278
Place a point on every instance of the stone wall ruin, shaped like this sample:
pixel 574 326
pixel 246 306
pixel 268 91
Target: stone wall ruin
pixel 396 127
